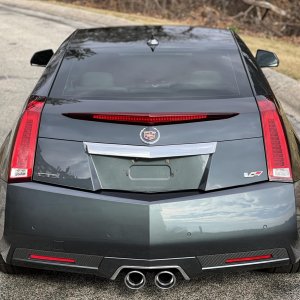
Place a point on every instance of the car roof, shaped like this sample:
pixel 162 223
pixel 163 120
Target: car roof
pixel 167 36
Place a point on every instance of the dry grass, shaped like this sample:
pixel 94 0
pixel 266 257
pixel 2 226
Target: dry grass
pixel 288 53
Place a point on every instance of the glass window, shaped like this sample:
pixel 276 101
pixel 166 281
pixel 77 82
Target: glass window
pixel 165 73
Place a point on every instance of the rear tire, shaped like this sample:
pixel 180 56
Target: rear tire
pixel 6 268
pixel 289 269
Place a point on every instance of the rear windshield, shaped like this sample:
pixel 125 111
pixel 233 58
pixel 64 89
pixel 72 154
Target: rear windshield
pixel 164 74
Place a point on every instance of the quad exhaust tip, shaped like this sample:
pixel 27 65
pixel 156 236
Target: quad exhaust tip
pixel 135 280
pixel 165 280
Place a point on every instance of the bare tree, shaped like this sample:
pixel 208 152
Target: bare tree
pixel 279 17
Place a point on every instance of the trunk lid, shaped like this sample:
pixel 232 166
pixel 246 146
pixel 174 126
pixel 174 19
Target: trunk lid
pixel 237 151
pixel 56 125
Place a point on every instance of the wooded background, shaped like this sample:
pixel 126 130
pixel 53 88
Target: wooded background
pixel 276 17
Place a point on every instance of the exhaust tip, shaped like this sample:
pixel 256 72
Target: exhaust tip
pixel 135 280
pixel 165 280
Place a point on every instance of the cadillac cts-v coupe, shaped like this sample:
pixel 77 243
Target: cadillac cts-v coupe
pixel 157 149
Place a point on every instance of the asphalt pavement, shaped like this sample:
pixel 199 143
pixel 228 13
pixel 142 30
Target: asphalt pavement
pixel 29 26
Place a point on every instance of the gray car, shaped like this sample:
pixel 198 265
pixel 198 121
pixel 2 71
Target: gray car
pixel 151 149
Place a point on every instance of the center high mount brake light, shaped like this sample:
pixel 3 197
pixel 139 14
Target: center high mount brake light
pixel 149 118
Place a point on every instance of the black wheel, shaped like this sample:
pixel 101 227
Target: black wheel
pixel 6 268
pixel 289 269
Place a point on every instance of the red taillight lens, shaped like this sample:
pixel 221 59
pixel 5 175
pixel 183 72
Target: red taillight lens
pixel 52 258
pixel 248 258
pixel 23 154
pixel 278 157
pixel 149 118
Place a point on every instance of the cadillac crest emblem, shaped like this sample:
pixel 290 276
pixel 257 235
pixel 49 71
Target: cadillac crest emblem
pixel 150 135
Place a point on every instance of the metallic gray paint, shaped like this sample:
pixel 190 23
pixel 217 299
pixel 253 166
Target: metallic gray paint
pixel 3 188
pixel 5 156
pixel 62 163
pixel 255 217
pixel 217 222
pixel 232 159
pixel 261 89
pixel 55 125
pixel 66 163
pixel 230 221
pixel 297 202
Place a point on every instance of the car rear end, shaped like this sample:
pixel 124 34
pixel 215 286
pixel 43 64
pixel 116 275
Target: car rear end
pixel 150 160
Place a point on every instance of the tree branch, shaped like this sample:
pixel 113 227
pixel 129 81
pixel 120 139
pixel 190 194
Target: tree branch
pixel 267 5
pixel 244 13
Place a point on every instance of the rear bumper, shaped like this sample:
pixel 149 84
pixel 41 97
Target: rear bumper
pixel 197 232
pixel 111 267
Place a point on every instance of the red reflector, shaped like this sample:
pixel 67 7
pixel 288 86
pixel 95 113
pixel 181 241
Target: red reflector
pixel 249 258
pixel 278 158
pixel 149 118
pixel 52 258
pixel 23 154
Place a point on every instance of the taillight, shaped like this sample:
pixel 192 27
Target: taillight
pixel 22 160
pixel 277 153
pixel 149 118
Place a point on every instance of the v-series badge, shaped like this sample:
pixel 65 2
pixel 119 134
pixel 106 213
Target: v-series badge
pixel 253 174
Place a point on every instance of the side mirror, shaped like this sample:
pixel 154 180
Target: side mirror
pixel 266 59
pixel 41 58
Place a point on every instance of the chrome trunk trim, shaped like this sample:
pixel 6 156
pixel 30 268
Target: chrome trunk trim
pixel 150 151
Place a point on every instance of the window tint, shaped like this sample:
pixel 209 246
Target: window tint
pixel 168 73
pixel 260 83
